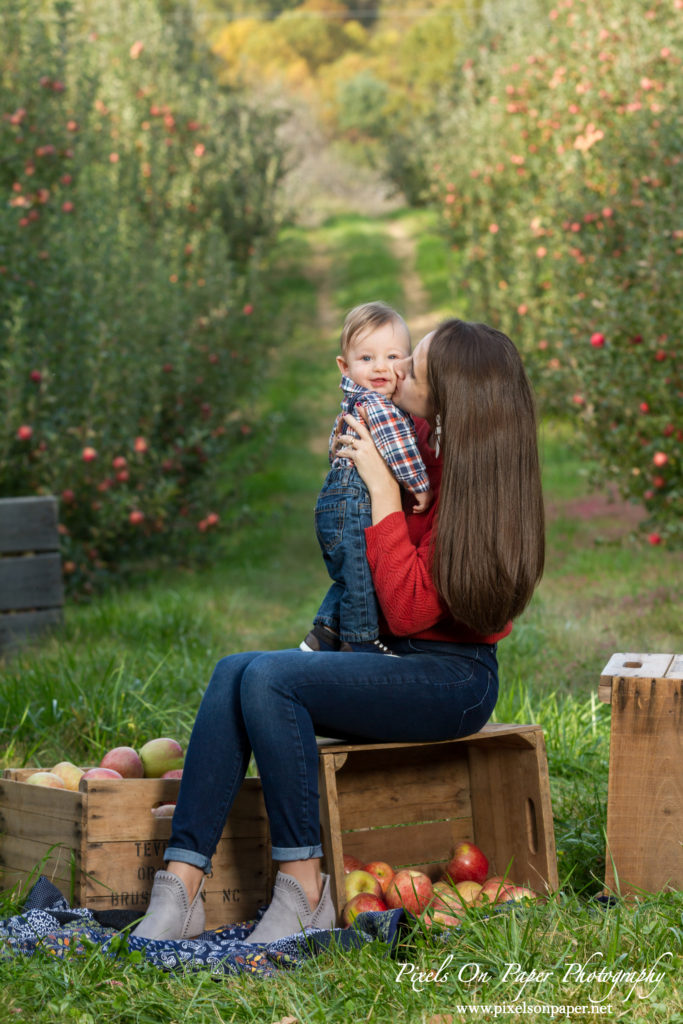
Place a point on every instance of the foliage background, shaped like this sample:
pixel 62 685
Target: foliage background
pixel 138 199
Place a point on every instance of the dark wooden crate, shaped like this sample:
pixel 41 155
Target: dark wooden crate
pixel 31 588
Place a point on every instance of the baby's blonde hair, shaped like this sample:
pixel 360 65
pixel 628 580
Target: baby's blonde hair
pixel 369 314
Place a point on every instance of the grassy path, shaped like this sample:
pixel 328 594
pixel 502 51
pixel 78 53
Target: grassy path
pixel 134 663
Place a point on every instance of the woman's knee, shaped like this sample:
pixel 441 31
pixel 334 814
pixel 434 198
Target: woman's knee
pixel 265 681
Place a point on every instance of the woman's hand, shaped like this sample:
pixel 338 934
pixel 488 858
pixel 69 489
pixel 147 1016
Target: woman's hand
pixel 385 493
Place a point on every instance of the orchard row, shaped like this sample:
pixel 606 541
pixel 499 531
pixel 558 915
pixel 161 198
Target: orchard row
pixel 138 201
pixel 556 164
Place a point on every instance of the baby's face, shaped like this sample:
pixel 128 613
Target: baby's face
pixel 372 356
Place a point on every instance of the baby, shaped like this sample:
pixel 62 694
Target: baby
pixel 374 336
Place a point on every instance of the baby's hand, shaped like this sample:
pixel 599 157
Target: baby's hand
pixel 422 501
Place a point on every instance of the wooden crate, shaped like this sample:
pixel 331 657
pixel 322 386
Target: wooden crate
pixel 410 803
pixel 31 590
pixel 645 787
pixel 101 846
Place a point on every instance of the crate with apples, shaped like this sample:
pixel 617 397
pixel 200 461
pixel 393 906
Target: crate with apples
pixel 100 833
pixel 464 883
pixel 413 804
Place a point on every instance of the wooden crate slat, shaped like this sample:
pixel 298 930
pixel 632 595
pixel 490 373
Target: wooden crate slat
pixel 408 845
pixel 27 824
pixel 28 524
pixel 513 816
pixel 21 853
pixel 633 665
pixel 31 582
pixel 118 811
pixel 52 803
pixel 221 906
pixel 675 669
pixel 516 735
pixel 402 786
pixel 645 787
pixel 16 627
pixel 120 875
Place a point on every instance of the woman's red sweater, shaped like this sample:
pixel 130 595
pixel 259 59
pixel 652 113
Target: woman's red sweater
pixel 398 550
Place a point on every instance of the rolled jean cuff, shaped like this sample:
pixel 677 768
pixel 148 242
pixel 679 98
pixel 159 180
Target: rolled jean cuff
pixel 198 860
pixel 297 852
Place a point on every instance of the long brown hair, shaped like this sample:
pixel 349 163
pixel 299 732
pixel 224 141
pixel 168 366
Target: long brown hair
pixel 489 546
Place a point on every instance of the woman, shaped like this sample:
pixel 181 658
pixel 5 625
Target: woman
pixel 448 582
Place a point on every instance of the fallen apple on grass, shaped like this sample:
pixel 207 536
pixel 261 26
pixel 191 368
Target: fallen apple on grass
pixel 468 863
pixel 382 871
pixel 361 882
pixel 361 903
pixel 410 889
pixel 468 891
pixel 352 864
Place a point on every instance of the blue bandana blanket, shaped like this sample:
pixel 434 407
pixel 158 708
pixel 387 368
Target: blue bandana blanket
pixel 48 923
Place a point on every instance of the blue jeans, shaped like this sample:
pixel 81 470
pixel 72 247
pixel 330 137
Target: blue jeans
pixel 275 702
pixel 341 514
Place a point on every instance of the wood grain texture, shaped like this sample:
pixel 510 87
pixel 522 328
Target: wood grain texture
pixel 411 804
pixel 102 846
pixel 645 787
pixel 28 524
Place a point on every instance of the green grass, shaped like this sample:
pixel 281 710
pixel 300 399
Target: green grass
pixel 133 664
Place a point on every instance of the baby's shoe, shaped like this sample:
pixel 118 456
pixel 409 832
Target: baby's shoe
pixel 368 647
pixel 320 638
pixel 290 912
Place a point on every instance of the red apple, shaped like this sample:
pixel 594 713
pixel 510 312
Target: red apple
pixel 361 881
pixel 492 889
pixel 125 761
pixel 516 893
pixel 468 864
pixel 175 773
pixel 351 864
pixel 101 773
pixel 361 903
pixel 411 890
pixel 382 871
pixel 48 779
